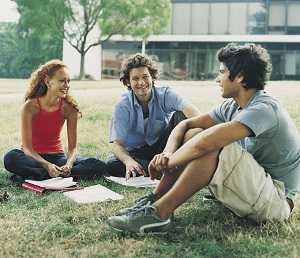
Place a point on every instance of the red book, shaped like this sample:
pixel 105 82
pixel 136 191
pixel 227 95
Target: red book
pixel 33 188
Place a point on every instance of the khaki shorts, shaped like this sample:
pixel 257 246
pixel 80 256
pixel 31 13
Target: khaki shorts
pixel 243 186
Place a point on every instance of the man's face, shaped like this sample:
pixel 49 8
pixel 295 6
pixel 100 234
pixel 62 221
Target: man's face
pixel 141 82
pixel 229 89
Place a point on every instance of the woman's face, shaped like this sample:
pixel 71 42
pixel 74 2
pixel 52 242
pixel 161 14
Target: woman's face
pixel 59 83
pixel 141 83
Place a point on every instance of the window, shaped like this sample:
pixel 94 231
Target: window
pixel 256 18
pixel 277 14
pixel 200 16
pixel 292 63
pixel 238 18
pixel 293 13
pixel 181 18
pixel 219 18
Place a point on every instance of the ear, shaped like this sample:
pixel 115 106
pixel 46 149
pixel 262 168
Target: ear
pixel 239 78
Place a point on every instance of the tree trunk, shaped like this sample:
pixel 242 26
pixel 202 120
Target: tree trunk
pixel 144 47
pixel 82 72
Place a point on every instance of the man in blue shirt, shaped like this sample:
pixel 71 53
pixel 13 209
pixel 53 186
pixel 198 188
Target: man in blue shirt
pixel 248 153
pixel 143 118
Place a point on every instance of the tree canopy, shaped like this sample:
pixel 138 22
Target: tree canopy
pixel 73 20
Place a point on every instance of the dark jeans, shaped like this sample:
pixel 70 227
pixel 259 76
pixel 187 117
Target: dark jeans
pixel 18 163
pixel 146 153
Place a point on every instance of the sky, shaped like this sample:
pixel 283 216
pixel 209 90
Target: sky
pixel 8 11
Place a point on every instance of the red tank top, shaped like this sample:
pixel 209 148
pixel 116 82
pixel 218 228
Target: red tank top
pixel 46 130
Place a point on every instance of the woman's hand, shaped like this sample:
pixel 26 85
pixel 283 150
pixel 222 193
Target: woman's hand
pixel 133 168
pixel 53 170
pixel 65 170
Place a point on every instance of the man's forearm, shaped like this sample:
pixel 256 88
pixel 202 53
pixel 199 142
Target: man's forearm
pixel 121 153
pixel 201 144
pixel 176 138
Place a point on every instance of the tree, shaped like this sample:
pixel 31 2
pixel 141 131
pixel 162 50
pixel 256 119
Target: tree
pixel 75 19
pixel 20 53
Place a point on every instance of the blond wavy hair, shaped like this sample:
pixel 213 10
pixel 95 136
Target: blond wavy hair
pixel 37 86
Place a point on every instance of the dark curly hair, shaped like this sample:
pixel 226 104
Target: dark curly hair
pixel 250 60
pixel 135 61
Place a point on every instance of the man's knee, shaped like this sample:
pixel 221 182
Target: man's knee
pixel 115 167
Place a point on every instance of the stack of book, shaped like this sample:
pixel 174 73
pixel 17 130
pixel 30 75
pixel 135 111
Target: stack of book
pixel 53 184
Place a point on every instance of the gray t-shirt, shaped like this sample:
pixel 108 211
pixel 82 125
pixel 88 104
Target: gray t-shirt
pixel 275 143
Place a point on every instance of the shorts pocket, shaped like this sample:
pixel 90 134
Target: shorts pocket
pixel 272 204
pixel 246 182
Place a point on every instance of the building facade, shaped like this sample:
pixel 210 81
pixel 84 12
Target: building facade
pixel 198 28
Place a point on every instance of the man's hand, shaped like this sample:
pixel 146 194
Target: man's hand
pixel 154 173
pixel 133 168
pixel 160 161
pixel 158 165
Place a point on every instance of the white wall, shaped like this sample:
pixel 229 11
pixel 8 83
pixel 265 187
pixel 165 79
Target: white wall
pixel 92 59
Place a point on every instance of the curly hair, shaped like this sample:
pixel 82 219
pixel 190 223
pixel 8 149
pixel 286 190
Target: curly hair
pixel 135 61
pixel 250 60
pixel 37 86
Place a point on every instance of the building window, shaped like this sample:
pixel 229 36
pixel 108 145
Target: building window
pixel 181 18
pixel 238 18
pixel 257 18
pixel 277 14
pixel 293 13
pixel 200 16
pixel 219 18
pixel 292 64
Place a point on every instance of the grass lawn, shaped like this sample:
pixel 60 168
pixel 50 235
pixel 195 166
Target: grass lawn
pixel 52 226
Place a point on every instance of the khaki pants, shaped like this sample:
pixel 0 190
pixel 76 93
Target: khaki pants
pixel 243 186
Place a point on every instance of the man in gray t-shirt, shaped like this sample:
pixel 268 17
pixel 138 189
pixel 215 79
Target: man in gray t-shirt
pixel 274 142
pixel 247 152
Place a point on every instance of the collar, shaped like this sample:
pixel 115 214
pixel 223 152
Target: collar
pixel 135 100
pixel 257 93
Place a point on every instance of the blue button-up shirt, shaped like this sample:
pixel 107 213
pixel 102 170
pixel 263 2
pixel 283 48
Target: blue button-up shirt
pixel 128 125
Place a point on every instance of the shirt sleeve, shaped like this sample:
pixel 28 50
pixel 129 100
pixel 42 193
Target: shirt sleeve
pixel 260 118
pixel 217 114
pixel 172 101
pixel 119 124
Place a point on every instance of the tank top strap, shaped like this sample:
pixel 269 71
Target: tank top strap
pixel 39 103
pixel 60 104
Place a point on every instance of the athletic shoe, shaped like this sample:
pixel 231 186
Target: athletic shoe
pixel 142 201
pixel 143 221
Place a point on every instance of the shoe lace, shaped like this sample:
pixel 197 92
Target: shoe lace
pixel 148 196
pixel 143 210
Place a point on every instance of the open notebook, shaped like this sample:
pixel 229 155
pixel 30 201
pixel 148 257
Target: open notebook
pixel 138 182
pixel 56 183
pixel 95 193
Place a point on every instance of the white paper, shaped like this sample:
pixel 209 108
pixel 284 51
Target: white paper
pixel 138 182
pixel 95 193
pixel 56 183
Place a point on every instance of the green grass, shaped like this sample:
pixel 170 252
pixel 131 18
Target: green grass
pixel 52 226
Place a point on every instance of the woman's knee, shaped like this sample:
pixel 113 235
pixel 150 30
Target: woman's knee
pixel 10 159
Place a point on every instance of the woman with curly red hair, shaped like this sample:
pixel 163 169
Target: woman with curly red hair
pixel 47 106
